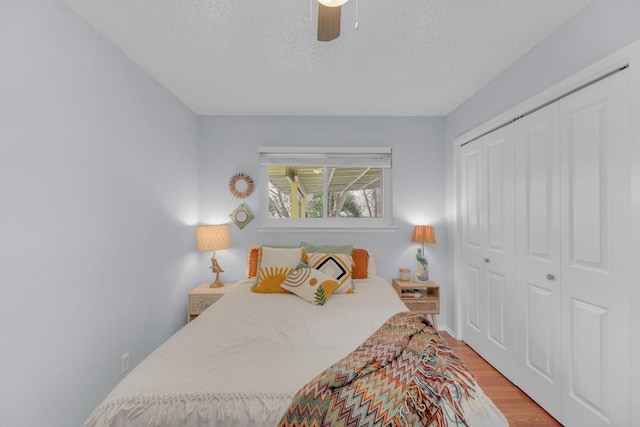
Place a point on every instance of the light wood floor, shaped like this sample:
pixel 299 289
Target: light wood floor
pixel 519 409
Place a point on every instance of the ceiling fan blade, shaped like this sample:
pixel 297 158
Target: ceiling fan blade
pixel 328 22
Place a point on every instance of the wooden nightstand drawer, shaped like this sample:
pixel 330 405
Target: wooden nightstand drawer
pixel 202 297
pixel 422 306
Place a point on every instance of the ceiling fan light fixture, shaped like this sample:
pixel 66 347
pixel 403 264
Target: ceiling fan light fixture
pixel 332 3
pixel 329 12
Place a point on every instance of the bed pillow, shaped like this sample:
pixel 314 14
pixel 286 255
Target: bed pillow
pixel 364 264
pixel 360 263
pixel 252 260
pixel 310 284
pixel 337 266
pixel 372 268
pixel 275 266
pixel 253 257
pixel 327 249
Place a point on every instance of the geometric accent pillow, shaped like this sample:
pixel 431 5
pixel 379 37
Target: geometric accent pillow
pixel 275 266
pixel 337 266
pixel 310 284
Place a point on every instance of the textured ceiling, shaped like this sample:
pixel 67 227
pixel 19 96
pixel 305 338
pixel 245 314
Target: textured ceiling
pixel 261 57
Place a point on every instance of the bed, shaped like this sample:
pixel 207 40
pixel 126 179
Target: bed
pixel 242 361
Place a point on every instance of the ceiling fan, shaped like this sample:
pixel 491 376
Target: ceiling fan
pixel 329 19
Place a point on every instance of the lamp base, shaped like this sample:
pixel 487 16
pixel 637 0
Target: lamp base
pixel 215 267
pixel 422 274
pixel 217 283
pixel 421 278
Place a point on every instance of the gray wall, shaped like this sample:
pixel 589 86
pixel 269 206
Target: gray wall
pixel 600 29
pixel 229 145
pixel 98 197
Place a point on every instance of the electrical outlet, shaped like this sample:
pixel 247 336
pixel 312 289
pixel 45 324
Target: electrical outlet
pixel 124 363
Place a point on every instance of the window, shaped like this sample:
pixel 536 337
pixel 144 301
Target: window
pixel 320 187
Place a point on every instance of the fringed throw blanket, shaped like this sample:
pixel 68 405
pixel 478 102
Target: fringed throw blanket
pixel 404 375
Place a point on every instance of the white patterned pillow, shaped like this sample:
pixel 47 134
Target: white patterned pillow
pixel 275 266
pixel 310 284
pixel 337 266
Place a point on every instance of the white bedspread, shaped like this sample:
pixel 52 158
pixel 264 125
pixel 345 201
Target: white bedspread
pixel 241 361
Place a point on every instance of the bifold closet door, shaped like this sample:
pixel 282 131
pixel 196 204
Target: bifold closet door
pixel 538 285
pixel 595 252
pixel 487 204
pixel 472 201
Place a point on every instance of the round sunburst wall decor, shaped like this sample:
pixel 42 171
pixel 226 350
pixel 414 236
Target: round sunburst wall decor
pixel 241 186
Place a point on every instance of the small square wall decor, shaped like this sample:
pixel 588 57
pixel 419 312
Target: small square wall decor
pixel 241 216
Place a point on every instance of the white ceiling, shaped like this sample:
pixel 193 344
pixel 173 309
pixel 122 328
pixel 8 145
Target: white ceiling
pixel 261 57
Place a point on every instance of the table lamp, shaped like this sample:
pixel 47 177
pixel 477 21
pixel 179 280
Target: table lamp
pixel 423 234
pixel 213 238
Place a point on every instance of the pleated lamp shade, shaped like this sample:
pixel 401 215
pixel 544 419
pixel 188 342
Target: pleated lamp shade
pixel 424 234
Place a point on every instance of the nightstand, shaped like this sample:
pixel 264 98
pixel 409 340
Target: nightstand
pixel 201 297
pixel 420 297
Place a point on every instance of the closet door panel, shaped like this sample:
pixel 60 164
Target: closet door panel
pixel 595 189
pixel 588 368
pixel 499 176
pixel 474 292
pixel 587 190
pixel 541 174
pixel 499 249
pixel 538 342
pixel 497 309
pixel 472 237
pixel 539 356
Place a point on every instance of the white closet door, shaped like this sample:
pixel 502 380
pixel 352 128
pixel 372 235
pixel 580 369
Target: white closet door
pixel 595 215
pixel 538 333
pixel 487 231
pixel 474 293
pixel 499 250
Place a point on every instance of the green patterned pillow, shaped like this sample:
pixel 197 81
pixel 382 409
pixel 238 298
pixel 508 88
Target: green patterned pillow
pixel 327 249
pixel 310 284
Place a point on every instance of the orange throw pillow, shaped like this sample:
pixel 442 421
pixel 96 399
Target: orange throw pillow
pixel 360 264
pixel 252 267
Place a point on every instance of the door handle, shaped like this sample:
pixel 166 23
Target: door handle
pixel 551 277
pixel 487 260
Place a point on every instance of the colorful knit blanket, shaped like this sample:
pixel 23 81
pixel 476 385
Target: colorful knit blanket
pixel 404 375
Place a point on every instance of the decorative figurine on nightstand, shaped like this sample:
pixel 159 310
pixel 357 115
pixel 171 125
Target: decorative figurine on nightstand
pixel 423 234
pixel 422 274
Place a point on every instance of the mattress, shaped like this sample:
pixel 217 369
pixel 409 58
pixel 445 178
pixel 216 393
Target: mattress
pixel 242 361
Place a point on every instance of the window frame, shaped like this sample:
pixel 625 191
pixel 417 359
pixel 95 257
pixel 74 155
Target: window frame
pixel 327 156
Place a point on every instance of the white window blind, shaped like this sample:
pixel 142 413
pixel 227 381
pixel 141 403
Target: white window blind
pixel 346 157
